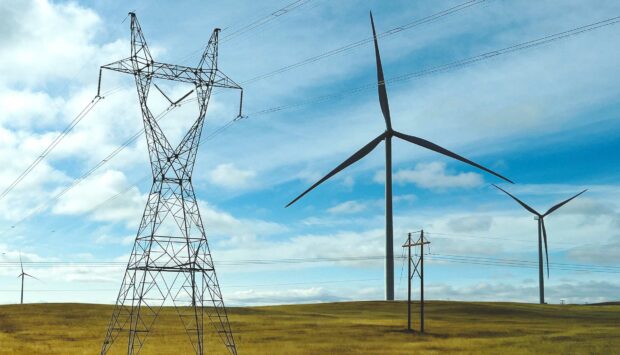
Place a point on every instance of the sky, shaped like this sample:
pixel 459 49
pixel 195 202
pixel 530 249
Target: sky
pixel 546 116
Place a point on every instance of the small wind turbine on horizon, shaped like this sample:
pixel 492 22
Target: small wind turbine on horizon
pixel 387 136
pixel 23 275
pixel 542 236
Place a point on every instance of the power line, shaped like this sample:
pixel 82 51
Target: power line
pixel 51 146
pixel 449 66
pixel 368 40
pixel 398 79
pixel 258 23
pixel 230 286
pixel 477 237
pixel 290 7
pixel 77 119
pixel 284 10
pixel 524 264
pixel 477 260
pixel 277 13
pixel 88 173
pixel 436 69
pixel 265 19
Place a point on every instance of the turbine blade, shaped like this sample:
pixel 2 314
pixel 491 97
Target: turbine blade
pixel 562 203
pixel 383 99
pixel 542 222
pixel 352 159
pixel 519 201
pixel 20 262
pixel 434 147
pixel 32 276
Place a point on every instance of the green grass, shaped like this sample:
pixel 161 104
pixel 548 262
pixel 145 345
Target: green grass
pixel 334 328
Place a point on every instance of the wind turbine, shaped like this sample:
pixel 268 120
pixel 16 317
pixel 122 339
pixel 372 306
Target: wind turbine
pixel 542 236
pixel 387 136
pixel 23 275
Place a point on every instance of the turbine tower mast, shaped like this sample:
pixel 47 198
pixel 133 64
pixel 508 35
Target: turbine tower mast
pixel 170 262
pixel 23 275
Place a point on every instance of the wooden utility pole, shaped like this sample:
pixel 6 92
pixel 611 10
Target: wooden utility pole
pixel 418 268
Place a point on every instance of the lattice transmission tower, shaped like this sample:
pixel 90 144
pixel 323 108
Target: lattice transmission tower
pixel 170 262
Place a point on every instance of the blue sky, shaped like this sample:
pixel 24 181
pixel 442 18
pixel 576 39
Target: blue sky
pixel 546 117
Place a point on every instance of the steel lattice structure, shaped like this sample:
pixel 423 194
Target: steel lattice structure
pixel 170 261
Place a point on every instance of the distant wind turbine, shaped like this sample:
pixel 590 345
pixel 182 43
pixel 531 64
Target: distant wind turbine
pixel 387 136
pixel 23 275
pixel 542 236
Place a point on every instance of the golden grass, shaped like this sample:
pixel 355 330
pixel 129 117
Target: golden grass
pixel 334 328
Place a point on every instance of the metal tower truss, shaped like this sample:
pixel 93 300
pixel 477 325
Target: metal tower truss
pixel 170 262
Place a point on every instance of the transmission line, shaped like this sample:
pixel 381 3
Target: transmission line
pixel 398 79
pixel 290 7
pixel 231 286
pixel 88 173
pixel 51 146
pixel 258 23
pixel 476 237
pixel 255 24
pixel 449 66
pixel 436 69
pixel 466 259
pixel 368 40
pixel 265 19
pixel 277 13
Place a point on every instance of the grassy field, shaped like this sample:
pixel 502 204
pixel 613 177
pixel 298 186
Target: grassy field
pixel 335 328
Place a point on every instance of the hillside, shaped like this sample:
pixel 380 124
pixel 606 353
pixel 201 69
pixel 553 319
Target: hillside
pixel 335 328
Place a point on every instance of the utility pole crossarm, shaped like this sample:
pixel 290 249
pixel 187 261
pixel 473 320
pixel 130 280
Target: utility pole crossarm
pixel 415 244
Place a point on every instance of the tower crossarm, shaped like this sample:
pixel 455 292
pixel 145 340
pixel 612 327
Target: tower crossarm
pixel 222 81
pixel 181 73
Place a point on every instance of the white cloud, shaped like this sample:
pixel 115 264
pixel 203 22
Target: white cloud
pixel 572 292
pixel 433 176
pixel 227 175
pixel 348 207
pixel 597 251
pixel 223 224
pixel 107 239
pixel 86 198
pixel 405 198
pixel 348 181
pixel 468 224
pixel 42 88
pixel 56 47
pixel 290 296
pixel 27 108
